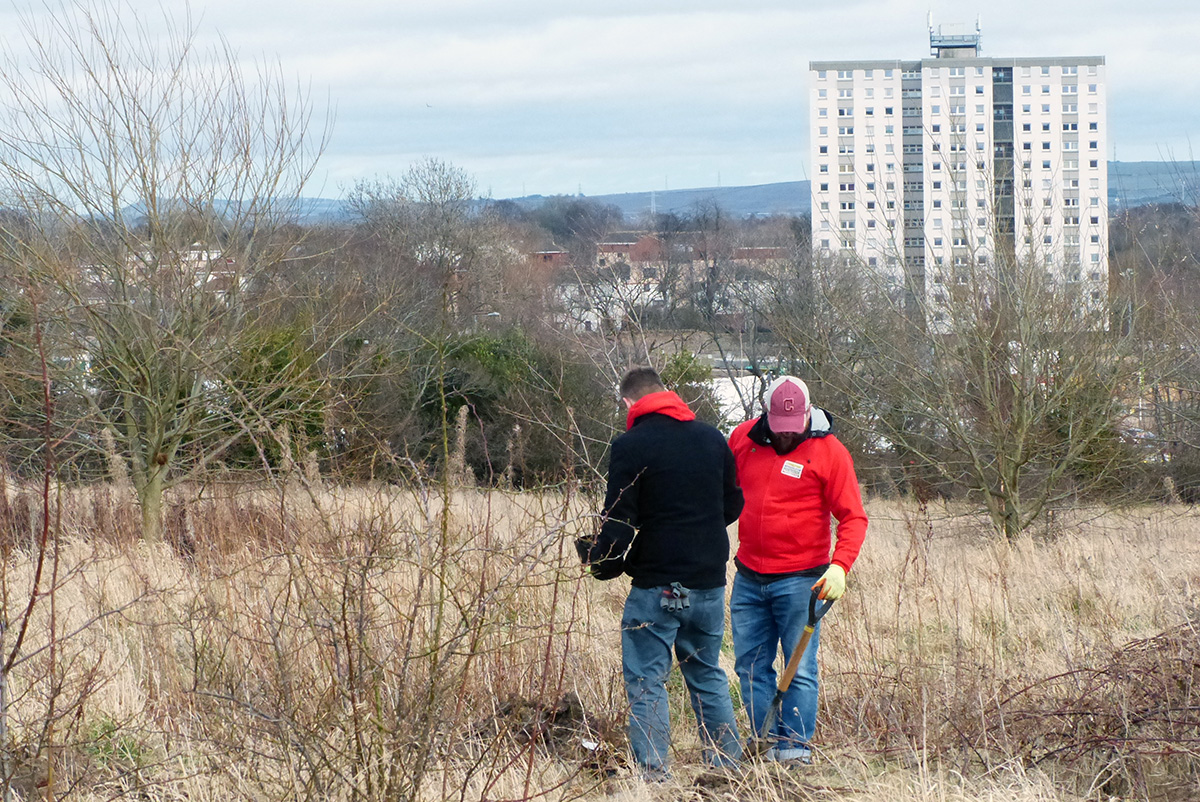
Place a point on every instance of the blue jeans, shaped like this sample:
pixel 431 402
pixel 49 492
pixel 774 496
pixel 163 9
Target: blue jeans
pixel 648 634
pixel 763 618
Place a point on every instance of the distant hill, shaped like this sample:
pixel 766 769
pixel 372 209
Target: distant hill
pixel 1130 184
pixel 787 198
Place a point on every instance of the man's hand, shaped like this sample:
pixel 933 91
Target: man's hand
pixel 832 583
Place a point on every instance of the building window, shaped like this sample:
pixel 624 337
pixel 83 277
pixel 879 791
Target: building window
pixel 822 93
pixel 823 130
pixel 845 74
pixel 1094 144
pixel 824 187
pixel 1026 89
pixel 1092 89
pixel 843 93
pixel 824 149
pixel 820 73
pixel 1045 108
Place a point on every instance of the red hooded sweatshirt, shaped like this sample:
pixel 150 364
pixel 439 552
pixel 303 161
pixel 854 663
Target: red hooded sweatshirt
pixel 665 403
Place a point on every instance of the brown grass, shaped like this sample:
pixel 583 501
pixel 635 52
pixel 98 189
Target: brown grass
pixel 359 644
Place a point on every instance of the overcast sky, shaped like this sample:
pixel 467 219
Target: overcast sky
pixel 531 96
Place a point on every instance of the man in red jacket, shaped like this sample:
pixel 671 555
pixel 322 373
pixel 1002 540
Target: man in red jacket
pixel 795 474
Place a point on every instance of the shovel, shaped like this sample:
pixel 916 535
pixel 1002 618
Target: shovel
pixel 815 613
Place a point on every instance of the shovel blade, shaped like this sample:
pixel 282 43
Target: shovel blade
pixel 763 740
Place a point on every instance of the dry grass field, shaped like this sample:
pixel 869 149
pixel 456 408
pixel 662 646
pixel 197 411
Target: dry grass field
pixel 339 644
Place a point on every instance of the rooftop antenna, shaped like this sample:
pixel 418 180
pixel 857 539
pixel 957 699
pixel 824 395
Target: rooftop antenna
pixel 954 40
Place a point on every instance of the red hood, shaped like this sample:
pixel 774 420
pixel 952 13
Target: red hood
pixel 665 403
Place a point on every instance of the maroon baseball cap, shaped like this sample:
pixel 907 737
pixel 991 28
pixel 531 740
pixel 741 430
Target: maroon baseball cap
pixel 788 405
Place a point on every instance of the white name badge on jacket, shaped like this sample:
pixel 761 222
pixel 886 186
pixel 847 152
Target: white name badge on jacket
pixel 793 469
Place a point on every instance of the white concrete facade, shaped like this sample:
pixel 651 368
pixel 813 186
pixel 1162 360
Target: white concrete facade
pixel 922 167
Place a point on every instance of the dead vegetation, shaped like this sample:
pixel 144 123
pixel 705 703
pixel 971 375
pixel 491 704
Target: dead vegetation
pixel 304 643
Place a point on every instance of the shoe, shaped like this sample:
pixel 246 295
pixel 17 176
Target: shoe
pixel 795 756
pixel 655 776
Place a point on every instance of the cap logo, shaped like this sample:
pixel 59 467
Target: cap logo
pixel 789 404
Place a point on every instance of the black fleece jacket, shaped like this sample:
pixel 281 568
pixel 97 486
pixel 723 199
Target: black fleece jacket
pixel 673 483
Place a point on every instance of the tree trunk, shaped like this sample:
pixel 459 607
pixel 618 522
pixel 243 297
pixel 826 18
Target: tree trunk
pixel 150 498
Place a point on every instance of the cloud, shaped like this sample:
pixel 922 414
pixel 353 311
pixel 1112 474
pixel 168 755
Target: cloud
pixel 619 94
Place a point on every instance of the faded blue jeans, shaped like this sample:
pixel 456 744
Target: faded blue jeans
pixel 648 635
pixel 763 618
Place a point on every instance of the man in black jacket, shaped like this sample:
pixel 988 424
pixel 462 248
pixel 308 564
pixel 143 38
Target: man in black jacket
pixel 672 490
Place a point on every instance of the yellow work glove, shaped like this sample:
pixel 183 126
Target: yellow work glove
pixel 832 583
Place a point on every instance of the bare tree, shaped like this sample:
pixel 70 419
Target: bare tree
pixel 152 176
